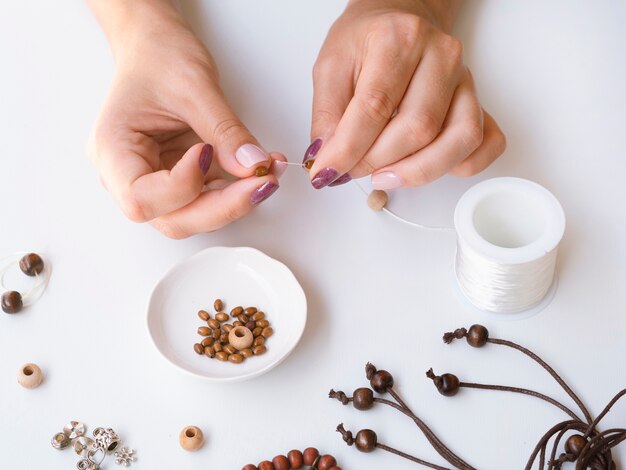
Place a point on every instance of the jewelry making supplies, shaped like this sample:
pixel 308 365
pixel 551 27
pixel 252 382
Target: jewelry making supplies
pixel 32 265
pixel 309 459
pixel 585 445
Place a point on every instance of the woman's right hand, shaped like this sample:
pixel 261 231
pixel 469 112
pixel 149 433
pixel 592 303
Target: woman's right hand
pixel 166 131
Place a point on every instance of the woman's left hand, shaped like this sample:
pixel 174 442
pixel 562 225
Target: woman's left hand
pixel 393 99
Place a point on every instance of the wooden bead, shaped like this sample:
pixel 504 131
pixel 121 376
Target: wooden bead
pixel 191 438
pixel 295 459
pixel 377 200
pixel 310 454
pixel 575 444
pixel 250 467
pixel 12 302
pixel 326 462
pixel 31 264
pixel 281 463
pixel 30 376
pixel 365 440
pixel 477 336
pixel 266 465
pixel 240 337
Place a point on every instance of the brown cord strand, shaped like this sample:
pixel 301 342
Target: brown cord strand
pixel 606 409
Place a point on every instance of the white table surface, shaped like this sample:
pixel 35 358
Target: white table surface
pixel 552 73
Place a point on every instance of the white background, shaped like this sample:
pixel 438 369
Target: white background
pixel 553 75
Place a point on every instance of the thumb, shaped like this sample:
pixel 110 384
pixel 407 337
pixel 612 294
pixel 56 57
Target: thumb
pixel 235 148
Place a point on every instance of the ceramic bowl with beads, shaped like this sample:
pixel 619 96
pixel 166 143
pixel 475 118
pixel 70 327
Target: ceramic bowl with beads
pixel 244 276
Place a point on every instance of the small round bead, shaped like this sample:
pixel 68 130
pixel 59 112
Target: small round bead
pixel 31 264
pixel 12 302
pixel 326 462
pixel 281 463
pixel 381 381
pixel 309 455
pixel 447 384
pixel 261 171
pixel 335 468
pixel 363 398
pixel 296 460
pixel 250 467
pixel 377 200
pixel 191 438
pixel 198 348
pixel 477 336
pixel 218 305
pixel 309 163
pixel 575 444
pixel 266 465
pixel 240 337
pixel 366 440
pixel 30 376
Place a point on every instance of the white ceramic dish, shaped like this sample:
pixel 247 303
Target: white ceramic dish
pixel 239 276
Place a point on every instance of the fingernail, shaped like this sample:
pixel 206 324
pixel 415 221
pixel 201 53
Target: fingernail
pixel 324 178
pixel 386 180
pixel 345 178
pixel 264 191
pixel 249 155
pixel 206 156
pixel 279 168
pixel 312 150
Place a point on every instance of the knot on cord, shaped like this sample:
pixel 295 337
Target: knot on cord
pixel 339 395
pixel 346 435
pixel 459 333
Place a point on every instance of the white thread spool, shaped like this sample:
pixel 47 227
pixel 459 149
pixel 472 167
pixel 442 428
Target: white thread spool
pixel 508 233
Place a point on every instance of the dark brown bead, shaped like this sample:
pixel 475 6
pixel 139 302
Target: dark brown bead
pixel 365 440
pixel 259 341
pixel 204 331
pixel 213 324
pixel 251 325
pixel 309 455
pixel 217 334
pixel 363 398
pixel 575 444
pixel 204 315
pixel 258 350
pixel 257 331
pixel 243 318
pixel 266 465
pixel 281 463
pixel 207 342
pixel 335 468
pixel 221 317
pixel 326 462
pixel 12 302
pixel 381 381
pixel 236 311
pixel 31 264
pixel 296 460
pixel 447 384
pixel 250 467
pixel 198 348
pixel 477 336
pixel 261 171
pixel 309 163
pixel 258 316
pixel 218 305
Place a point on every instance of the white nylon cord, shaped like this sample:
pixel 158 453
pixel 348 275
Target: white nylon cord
pixel 33 294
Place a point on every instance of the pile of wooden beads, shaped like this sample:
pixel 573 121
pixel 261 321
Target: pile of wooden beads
pixel 310 459
pixel 235 342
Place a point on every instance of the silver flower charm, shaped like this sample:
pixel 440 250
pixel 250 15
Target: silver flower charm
pixel 125 456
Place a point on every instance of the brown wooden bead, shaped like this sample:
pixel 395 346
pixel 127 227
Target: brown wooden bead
pixel 217 347
pixel 309 163
pixel 243 318
pixel 236 312
pixel 30 376
pixel 365 440
pixel 12 302
pixel 191 438
pixel 266 465
pixel 198 348
pixel 251 325
pixel 575 444
pixel 216 334
pixel 309 455
pixel 246 353
pixel 222 356
pixel 261 171
pixel 263 323
pixel 258 341
pixel 381 381
pixel 207 342
pixel 226 328
pixel 281 463
pixel 326 462
pixel 296 460
pixel 237 323
pixel 31 264
pixel 257 331
pixel 209 351
pixel 250 311
pixel 447 384
pixel 377 200
pixel 224 338
pixel 221 317
pixel 258 350
pixel 214 324
pixel 363 398
pixel 204 315
pixel 477 336
pixel 235 358
pixel 204 331
pixel 267 332
pixel 258 316
pixel 218 305
pixel 230 349
pixel 249 467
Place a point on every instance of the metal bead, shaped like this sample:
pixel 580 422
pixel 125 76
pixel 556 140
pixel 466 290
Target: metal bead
pixel 125 456
pixel 106 439
pixel 74 429
pixel 60 441
pixel 82 445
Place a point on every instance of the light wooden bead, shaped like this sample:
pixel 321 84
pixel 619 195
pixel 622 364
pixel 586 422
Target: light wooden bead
pixel 30 376
pixel 191 438
pixel 377 200
pixel 240 337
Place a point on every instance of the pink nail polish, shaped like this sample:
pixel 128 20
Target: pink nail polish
pixel 386 180
pixel 249 155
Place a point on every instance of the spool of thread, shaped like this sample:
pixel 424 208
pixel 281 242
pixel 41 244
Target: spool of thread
pixel 508 233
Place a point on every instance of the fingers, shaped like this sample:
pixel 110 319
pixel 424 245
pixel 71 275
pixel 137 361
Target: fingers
pixel 422 111
pixel 236 149
pixel 216 208
pixel 493 145
pixel 129 169
pixel 462 134
pixel 382 81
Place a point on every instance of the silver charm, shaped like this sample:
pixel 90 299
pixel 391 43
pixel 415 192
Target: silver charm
pixel 125 456
pixel 90 462
pixel 74 429
pixel 106 439
pixel 60 441
pixel 82 445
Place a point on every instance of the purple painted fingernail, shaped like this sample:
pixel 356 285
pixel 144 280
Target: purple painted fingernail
pixel 343 179
pixel 264 191
pixel 206 156
pixel 312 150
pixel 324 178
